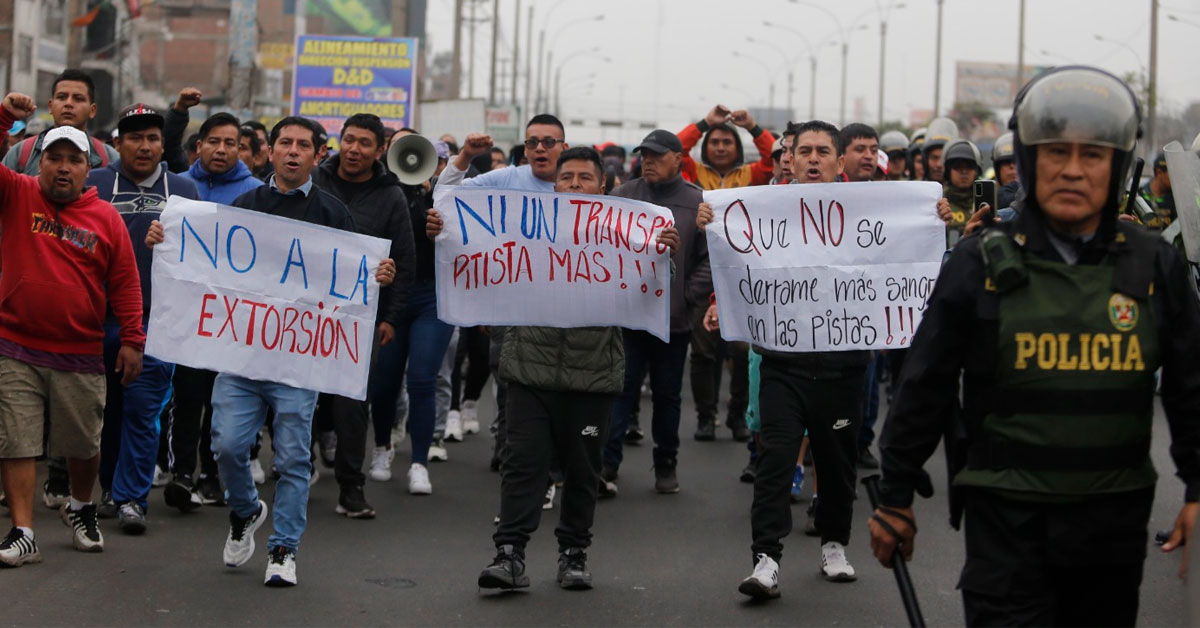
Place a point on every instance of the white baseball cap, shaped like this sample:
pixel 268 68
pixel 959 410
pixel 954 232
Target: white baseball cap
pixel 68 133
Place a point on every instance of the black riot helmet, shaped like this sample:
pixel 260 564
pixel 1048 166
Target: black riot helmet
pixel 961 149
pixel 1077 104
pixel 1002 150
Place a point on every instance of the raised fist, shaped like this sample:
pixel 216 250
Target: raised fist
pixel 19 105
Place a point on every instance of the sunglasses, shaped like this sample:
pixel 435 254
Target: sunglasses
pixel 546 142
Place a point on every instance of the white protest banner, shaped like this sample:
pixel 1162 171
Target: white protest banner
pixel 512 257
pixel 268 298
pixel 825 267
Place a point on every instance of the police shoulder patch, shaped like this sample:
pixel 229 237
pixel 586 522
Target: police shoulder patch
pixel 1122 312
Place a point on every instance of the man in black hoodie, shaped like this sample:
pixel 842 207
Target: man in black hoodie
pixel 661 184
pixel 358 178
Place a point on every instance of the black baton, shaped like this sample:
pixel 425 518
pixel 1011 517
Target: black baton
pixel 907 594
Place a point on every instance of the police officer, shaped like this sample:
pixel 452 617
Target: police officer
pixel 962 167
pixel 895 145
pixel 916 167
pixel 1056 323
pixel 940 132
pixel 1005 164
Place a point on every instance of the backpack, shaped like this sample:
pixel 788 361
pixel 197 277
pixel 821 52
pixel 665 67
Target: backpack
pixel 28 146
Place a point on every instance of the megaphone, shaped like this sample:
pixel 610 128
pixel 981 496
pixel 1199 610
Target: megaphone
pixel 413 159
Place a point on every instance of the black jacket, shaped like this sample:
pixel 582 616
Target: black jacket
pixel 319 207
pixel 379 209
pixel 959 335
pixel 692 281
pixel 173 151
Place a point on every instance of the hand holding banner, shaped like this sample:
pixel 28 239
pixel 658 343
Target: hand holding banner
pixel 824 267
pixel 268 298
pixel 512 257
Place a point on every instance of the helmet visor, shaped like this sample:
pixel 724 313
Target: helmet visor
pixel 1079 106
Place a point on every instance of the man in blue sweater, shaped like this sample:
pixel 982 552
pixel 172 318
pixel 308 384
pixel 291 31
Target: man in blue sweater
pixel 137 185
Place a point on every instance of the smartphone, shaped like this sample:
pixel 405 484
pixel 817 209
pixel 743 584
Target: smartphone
pixel 985 192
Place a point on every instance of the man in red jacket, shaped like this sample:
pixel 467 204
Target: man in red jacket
pixel 67 257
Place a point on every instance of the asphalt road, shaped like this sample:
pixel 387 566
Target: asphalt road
pixel 657 560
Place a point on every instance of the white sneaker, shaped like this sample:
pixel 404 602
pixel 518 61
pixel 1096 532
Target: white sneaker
pixel 160 477
pixel 256 472
pixel 763 584
pixel 381 464
pixel 239 544
pixel 437 451
pixel 548 503
pixel 470 417
pixel 454 429
pixel 834 565
pixel 418 480
pixel 281 568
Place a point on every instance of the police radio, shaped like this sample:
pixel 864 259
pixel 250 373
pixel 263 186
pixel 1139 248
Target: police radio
pixel 1002 260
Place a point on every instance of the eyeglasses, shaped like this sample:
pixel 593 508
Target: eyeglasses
pixel 547 142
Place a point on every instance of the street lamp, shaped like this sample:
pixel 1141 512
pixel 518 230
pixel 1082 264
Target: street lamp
pixel 1136 56
pixel 1176 18
pixel 770 78
pixel 783 58
pixel 558 75
pixel 545 102
pixel 883 16
pixel 845 41
pixel 813 55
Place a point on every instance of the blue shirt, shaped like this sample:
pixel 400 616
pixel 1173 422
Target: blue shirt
pixel 510 178
pixel 303 190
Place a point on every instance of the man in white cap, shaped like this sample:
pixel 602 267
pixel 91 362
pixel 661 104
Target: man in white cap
pixel 66 256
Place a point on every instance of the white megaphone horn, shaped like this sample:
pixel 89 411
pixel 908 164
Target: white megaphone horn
pixel 413 159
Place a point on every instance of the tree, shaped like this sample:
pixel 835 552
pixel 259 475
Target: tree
pixel 970 116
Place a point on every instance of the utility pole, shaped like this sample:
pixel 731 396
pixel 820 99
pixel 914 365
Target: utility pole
pixel 243 42
pixel 1021 46
pixel 1152 96
pixel 495 42
pixel 541 57
pixel 882 57
pixel 845 53
pixel 456 69
pixel 528 63
pixel 812 90
pixel 544 102
pixel 516 65
pixel 937 64
pixel 471 52
pixel 791 112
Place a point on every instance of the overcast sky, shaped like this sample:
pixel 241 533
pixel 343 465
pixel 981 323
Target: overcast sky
pixel 672 59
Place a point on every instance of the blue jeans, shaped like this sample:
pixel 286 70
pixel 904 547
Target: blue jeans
pixel 866 431
pixel 420 345
pixel 129 439
pixel 239 410
pixel 665 361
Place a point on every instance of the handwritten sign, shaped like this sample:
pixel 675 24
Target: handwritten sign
pixel 509 257
pixel 268 298
pixel 337 77
pixel 825 267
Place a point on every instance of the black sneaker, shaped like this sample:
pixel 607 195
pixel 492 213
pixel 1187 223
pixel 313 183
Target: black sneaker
pixel 56 491
pixel 748 473
pixel 665 481
pixel 18 549
pixel 608 483
pixel 131 518
pixel 810 525
pixel 107 508
pixel 507 570
pixel 706 430
pixel 353 503
pixel 866 460
pixel 181 493
pixel 634 434
pixel 209 489
pixel 85 529
pixel 741 433
pixel 573 573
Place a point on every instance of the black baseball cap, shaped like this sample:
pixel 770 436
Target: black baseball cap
pixel 660 141
pixel 139 116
